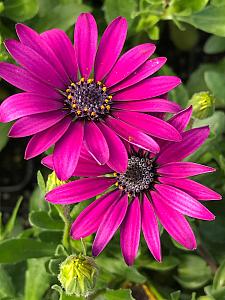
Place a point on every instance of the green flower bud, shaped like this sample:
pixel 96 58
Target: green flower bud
pixel 78 275
pixel 53 181
pixel 203 104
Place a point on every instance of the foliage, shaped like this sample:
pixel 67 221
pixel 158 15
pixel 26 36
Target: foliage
pixel 33 247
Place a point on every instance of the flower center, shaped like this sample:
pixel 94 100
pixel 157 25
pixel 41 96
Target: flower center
pixel 87 99
pixel 140 175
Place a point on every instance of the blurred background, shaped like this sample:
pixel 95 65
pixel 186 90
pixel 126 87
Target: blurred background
pixel 191 34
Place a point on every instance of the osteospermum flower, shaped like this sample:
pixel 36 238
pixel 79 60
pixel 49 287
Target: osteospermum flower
pixel 107 101
pixel 153 188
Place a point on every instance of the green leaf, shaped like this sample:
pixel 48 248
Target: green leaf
pixel 118 295
pixel 216 83
pixel 41 219
pixel 61 16
pixel 219 279
pixel 37 201
pixel 214 44
pixel 15 250
pixel 193 272
pixel 6 287
pixel 168 263
pixel 216 123
pixel 37 279
pixel 218 2
pixel 115 8
pixel 210 19
pixel 175 295
pixel 50 236
pixel 11 222
pixel 4 129
pixel 63 296
pixel 20 10
pixel 187 7
pixel 41 182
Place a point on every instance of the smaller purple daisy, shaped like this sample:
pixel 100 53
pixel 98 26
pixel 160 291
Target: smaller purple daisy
pixel 107 103
pixel 155 187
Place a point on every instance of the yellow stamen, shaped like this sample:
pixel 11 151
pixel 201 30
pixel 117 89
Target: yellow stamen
pixel 90 80
pixel 74 105
pixel 102 107
pixel 99 83
pixel 108 107
pixel 67 90
pixel 93 114
pixel 82 79
pixel 78 112
pixel 116 184
pixel 70 96
pixel 104 88
pixel 86 109
pixel 106 101
pixel 109 97
pixel 73 84
pixel 115 174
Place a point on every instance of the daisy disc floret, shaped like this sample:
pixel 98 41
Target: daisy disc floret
pixel 86 95
pixel 154 188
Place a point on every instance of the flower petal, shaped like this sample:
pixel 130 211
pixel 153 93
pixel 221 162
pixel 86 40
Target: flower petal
pixel 195 189
pixel 174 223
pixel 149 124
pixel 35 123
pixel 95 143
pixel 181 119
pixel 33 40
pixel 67 151
pixel 24 80
pixel 183 169
pixel 144 71
pixel 79 190
pixel 110 223
pixel 91 217
pixel 118 157
pixel 191 141
pixel 150 228
pixel 183 203
pixel 149 105
pixel 132 135
pixel 25 104
pixel 85 42
pixel 42 141
pixel 130 232
pixel 129 62
pixel 148 88
pixel 110 46
pixel 59 42
pixel 34 63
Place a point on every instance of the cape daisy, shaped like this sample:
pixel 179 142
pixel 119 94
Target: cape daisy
pixel 85 95
pixel 153 188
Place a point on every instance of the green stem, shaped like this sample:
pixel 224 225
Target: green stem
pixel 64 212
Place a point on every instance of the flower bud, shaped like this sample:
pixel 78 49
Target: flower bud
pixel 53 181
pixel 78 275
pixel 203 104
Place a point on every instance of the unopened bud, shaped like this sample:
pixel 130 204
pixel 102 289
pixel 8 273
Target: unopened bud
pixel 203 104
pixel 53 181
pixel 78 275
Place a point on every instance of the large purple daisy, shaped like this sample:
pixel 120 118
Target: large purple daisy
pixel 153 188
pixel 86 95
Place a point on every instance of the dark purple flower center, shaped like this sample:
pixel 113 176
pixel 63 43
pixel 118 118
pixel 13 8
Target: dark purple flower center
pixel 87 99
pixel 139 177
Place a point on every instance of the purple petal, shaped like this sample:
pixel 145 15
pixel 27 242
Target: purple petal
pixel 35 123
pixel 110 46
pixel 25 104
pixel 110 223
pixel 149 124
pixel 144 71
pixel 85 167
pixel 79 190
pixel 181 119
pixel 183 169
pixel 67 151
pixel 183 203
pixel 174 223
pixel 118 158
pixel 34 63
pixel 191 141
pixel 33 40
pixel 24 80
pixel 59 42
pixel 132 135
pixel 150 228
pixel 195 189
pixel 130 232
pixel 95 143
pixel 85 42
pixel 42 141
pixel 148 88
pixel 91 217
pixel 128 63
pixel 151 105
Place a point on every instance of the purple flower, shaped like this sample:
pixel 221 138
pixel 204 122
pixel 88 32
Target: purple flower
pixel 60 108
pixel 153 188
